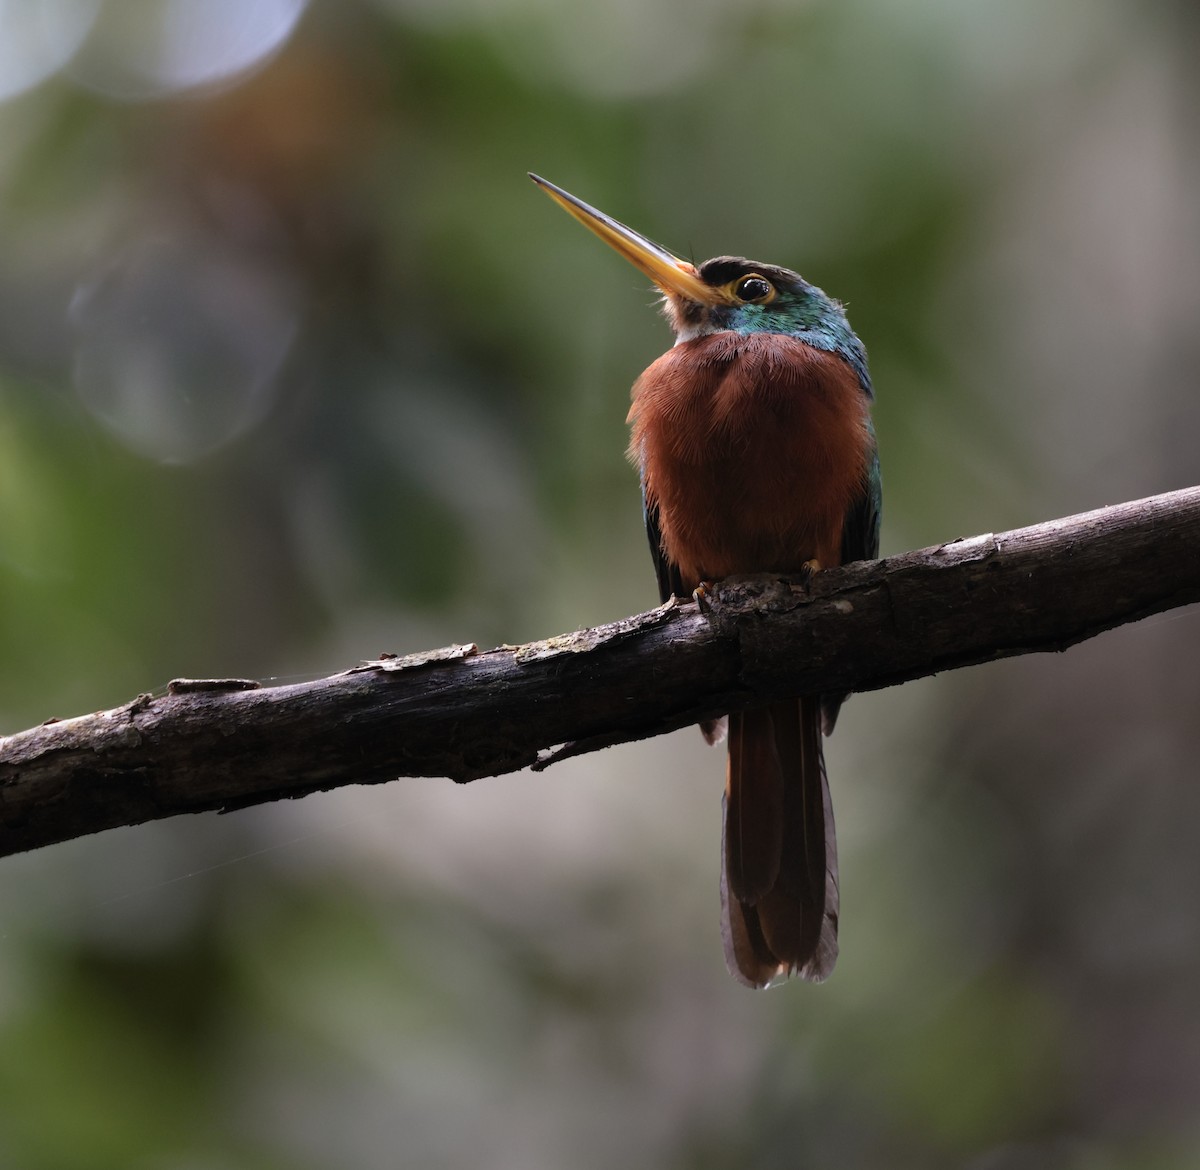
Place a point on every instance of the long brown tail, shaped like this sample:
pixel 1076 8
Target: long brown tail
pixel 779 885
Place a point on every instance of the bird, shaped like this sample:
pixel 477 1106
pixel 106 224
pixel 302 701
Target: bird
pixel 756 452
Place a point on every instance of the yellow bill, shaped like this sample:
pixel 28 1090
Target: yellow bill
pixel 675 277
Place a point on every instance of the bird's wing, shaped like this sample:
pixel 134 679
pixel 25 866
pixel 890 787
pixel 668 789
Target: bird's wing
pixel 860 531
pixel 669 581
pixel 670 584
pixel 860 542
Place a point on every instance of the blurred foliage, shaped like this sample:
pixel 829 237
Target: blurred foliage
pixel 296 367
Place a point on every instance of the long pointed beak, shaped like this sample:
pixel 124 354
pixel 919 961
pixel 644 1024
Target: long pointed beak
pixel 675 277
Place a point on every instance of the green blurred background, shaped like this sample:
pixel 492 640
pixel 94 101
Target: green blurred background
pixel 296 367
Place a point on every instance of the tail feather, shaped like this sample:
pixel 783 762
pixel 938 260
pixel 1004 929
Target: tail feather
pixel 754 808
pixel 779 893
pixel 749 959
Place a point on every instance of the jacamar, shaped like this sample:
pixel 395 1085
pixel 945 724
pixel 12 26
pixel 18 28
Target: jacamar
pixel 754 442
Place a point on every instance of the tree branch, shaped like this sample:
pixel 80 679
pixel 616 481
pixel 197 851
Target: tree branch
pixel 228 743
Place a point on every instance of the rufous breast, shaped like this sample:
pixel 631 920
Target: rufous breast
pixel 753 447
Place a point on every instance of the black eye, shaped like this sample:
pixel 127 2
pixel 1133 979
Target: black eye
pixel 753 288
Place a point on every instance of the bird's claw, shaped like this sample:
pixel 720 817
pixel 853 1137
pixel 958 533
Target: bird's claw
pixel 700 595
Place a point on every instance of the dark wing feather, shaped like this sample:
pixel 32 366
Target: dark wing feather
pixel 860 532
pixel 669 581
pixel 670 584
pixel 860 542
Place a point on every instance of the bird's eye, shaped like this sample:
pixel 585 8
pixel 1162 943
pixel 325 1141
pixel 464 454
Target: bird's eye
pixel 754 289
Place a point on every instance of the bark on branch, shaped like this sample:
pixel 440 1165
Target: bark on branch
pixel 459 712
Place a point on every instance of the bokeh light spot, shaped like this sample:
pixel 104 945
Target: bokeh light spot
pixel 146 48
pixel 179 342
pixel 37 39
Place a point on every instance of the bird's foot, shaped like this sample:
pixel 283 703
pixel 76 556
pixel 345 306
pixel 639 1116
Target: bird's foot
pixel 807 570
pixel 700 595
